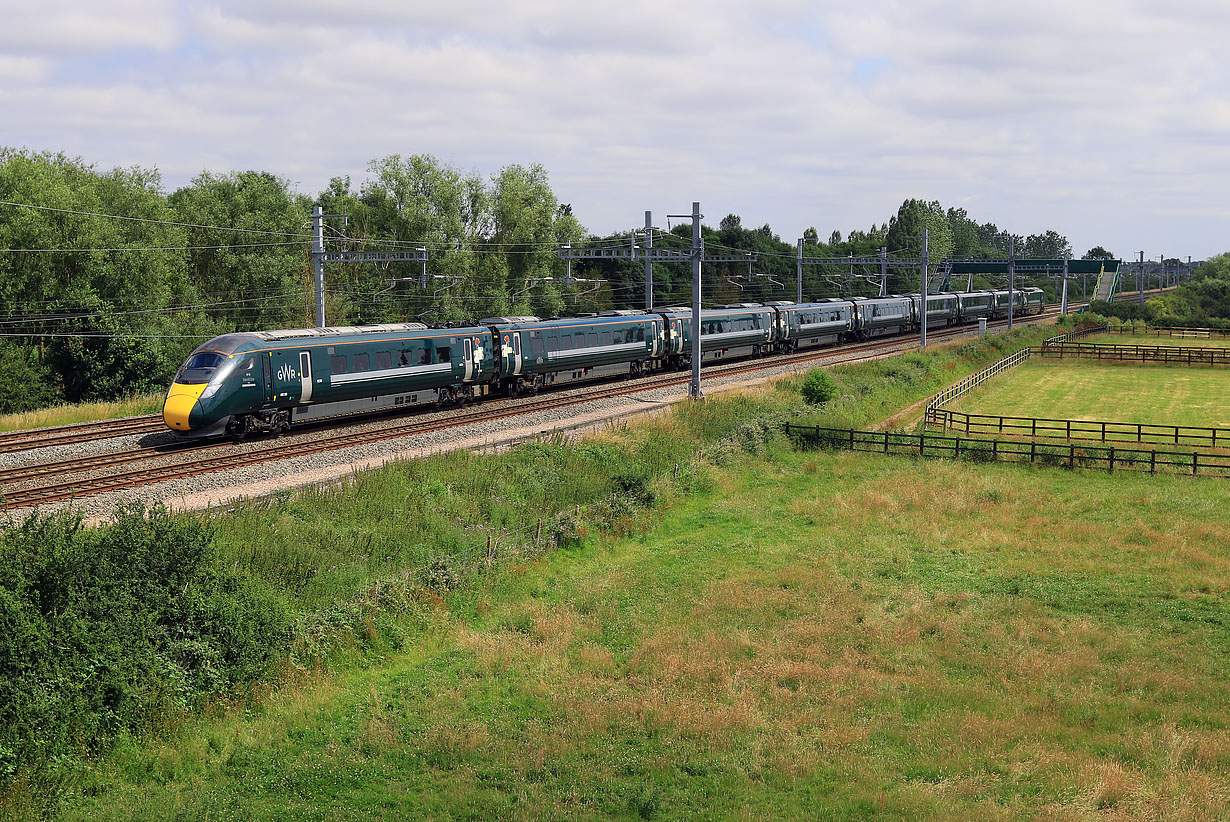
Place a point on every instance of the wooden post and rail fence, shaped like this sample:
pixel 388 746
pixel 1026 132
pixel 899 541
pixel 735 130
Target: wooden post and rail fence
pixel 1207 446
pixel 1109 458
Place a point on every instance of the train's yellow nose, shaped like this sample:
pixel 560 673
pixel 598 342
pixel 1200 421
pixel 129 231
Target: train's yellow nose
pixel 179 404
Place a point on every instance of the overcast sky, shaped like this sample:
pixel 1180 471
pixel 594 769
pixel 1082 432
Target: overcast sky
pixel 1106 120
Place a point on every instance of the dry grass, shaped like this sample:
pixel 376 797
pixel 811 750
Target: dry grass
pixel 84 412
pixel 828 636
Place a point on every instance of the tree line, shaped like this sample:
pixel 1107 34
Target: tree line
pixel 95 307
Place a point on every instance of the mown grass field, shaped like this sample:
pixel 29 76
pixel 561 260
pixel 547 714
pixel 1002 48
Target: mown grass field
pixel 1146 339
pixel 809 635
pixel 1083 389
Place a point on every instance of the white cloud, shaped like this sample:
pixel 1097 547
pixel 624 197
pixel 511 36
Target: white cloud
pixel 58 27
pixel 1088 117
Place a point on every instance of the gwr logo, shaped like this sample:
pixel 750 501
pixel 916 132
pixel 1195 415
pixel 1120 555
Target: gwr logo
pixel 287 373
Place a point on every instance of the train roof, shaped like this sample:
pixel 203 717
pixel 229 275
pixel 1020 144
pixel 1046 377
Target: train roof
pixel 737 308
pixel 605 318
pixel 251 340
pixel 336 331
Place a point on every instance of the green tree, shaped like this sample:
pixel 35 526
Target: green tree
pixel 905 232
pixel 252 258
pixel 1050 245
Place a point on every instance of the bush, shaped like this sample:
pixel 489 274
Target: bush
pixel 105 631
pixel 818 387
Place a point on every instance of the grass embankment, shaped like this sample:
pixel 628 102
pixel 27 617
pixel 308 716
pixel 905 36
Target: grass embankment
pixel 354 575
pixel 810 635
pixel 84 412
pixel 1089 390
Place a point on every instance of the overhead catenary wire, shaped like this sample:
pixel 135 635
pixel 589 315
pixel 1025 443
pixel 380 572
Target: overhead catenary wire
pixel 150 248
pixel 152 220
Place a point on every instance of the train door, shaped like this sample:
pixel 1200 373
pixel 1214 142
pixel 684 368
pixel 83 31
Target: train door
pixel 267 376
pixel 468 357
pixel 516 352
pixel 305 376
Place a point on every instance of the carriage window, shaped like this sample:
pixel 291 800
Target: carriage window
pixel 362 362
pixel 445 354
pixel 337 365
pixel 565 342
pixel 629 336
pixel 553 343
pixel 405 357
pixel 593 339
pixel 640 335
pixel 425 355
pixel 606 337
pixel 384 359
pixel 536 346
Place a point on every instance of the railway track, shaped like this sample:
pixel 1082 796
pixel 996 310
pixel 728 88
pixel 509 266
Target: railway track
pixel 80 432
pixel 145 466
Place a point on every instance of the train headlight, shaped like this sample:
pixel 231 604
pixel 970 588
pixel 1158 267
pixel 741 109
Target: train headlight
pixel 211 389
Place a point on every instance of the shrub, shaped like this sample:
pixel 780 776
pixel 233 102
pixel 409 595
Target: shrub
pixel 818 387
pixel 104 631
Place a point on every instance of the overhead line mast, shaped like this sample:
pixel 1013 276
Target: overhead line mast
pixel 320 257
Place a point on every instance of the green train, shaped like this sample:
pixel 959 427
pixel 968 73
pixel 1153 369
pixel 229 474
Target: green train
pixel 266 381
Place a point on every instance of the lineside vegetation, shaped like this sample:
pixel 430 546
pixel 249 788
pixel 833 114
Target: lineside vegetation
pixel 635 638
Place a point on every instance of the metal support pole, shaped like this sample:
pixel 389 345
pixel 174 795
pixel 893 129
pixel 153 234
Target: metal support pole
pixel 924 262
pixel 568 269
pixel 883 270
pixel 648 261
pixel 1063 303
pixel 423 276
pixel 1011 279
pixel 798 290
pixel 1140 280
pixel 318 261
pixel 697 255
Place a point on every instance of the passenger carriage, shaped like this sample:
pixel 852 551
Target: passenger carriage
pixel 972 305
pixel 807 325
pixel 1001 302
pixel 942 309
pixel 1035 300
pixel 876 316
pixel 740 330
pixel 535 353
